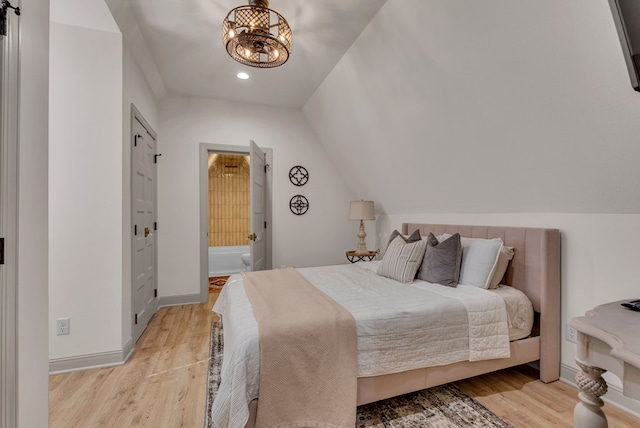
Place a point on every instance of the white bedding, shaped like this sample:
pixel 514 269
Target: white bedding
pixel 399 326
pixel 519 311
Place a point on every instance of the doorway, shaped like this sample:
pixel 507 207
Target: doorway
pixel 225 210
pixel 229 215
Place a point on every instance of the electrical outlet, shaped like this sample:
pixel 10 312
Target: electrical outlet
pixel 62 326
pixel 572 334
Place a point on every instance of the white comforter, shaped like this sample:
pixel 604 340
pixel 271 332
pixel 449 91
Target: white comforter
pixel 399 326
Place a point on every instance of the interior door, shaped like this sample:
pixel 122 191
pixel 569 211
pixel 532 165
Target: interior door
pixel 9 103
pixel 258 172
pixel 143 195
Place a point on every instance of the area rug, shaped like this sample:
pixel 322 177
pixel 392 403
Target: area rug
pixel 217 282
pixel 443 406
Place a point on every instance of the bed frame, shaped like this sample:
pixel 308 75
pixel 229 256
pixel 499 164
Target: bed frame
pixel 534 270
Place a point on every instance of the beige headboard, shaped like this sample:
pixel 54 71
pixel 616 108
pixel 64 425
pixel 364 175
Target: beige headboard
pixel 535 270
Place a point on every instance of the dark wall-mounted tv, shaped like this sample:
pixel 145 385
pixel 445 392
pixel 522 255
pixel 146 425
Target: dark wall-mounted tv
pixel 626 15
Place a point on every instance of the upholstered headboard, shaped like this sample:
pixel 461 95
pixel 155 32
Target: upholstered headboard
pixel 534 270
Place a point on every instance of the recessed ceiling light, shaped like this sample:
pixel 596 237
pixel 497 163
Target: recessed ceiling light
pixel 242 75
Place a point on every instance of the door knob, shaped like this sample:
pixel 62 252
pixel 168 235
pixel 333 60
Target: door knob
pixel 252 237
pixel 147 231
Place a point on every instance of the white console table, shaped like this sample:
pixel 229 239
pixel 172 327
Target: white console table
pixel 608 339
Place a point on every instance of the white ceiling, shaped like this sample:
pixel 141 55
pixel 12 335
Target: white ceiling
pixel 184 40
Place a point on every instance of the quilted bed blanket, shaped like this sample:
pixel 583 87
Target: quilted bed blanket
pixel 399 327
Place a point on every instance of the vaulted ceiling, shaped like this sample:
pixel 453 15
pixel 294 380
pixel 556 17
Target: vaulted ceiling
pixel 178 43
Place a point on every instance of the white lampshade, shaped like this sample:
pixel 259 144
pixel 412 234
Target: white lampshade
pixel 362 210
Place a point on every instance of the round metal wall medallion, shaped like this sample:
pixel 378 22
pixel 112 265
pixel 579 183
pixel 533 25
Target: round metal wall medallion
pixel 299 205
pixel 299 175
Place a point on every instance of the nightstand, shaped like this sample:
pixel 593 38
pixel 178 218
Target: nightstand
pixel 353 257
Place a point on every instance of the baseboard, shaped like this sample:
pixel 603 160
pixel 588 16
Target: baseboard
pixel 127 350
pixel 112 358
pixel 88 361
pixel 184 299
pixel 614 395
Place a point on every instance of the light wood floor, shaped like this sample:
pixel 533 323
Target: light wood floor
pixel 163 384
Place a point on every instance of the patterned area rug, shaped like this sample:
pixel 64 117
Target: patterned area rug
pixel 443 406
pixel 217 282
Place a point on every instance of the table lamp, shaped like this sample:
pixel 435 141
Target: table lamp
pixel 361 210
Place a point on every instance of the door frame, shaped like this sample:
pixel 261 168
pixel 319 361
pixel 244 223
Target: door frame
pixel 205 148
pixel 9 142
pixel 137 116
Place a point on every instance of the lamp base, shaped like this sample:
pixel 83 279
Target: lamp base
pixel 362 245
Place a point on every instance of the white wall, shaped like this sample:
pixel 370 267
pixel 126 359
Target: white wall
pixel 83 13
pixel 136 91
pixel 459 108
pixel 32 263
pixel 321 236
pixel 85 188
pixel 515 106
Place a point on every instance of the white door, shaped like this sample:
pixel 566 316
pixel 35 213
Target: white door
pixel 257 235
pixel 9 72
pixel 144 300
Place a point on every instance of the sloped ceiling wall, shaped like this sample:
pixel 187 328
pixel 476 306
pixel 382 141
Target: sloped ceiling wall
pixel 492 106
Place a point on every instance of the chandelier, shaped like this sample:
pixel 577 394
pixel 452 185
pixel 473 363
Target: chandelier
pixel 256 35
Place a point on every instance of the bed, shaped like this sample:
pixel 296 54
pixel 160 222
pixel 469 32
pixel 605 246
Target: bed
pixel 534 270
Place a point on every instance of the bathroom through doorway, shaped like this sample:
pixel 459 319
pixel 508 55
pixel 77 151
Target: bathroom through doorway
pixel 228 213
pixel 223 222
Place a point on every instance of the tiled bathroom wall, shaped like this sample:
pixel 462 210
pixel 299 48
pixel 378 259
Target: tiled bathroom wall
pixel 228 200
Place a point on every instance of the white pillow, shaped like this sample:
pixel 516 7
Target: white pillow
pixel 479 260
pixel 506 254
pixel 402 259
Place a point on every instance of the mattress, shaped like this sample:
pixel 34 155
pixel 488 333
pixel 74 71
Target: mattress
pixel 399 326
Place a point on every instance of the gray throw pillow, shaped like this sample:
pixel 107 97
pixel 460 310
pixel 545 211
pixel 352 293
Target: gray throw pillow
pixel 442 260
pixel 415 236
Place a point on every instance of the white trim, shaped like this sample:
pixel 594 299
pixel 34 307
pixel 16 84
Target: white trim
pixel 91 361
pixel 614 395
pixel 86 362
pixel 205 148
pixel 183 299
pixel 127 350
pixel 9 141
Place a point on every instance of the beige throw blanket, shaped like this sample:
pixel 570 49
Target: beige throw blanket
pixel 308 353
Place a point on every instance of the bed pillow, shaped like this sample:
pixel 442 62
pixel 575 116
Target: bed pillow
pixel 415 236
pixel 441 262
pixel 479 259
pixel 402 259
pixel 506 255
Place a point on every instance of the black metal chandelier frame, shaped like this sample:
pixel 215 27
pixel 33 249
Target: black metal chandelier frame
pixel 257 36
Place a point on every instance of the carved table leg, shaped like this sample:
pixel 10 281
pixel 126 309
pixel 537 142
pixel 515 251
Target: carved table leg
pixel 588 412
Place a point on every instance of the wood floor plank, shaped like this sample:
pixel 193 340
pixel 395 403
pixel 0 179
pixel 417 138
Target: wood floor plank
pixel 520 398
pixel 164 384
